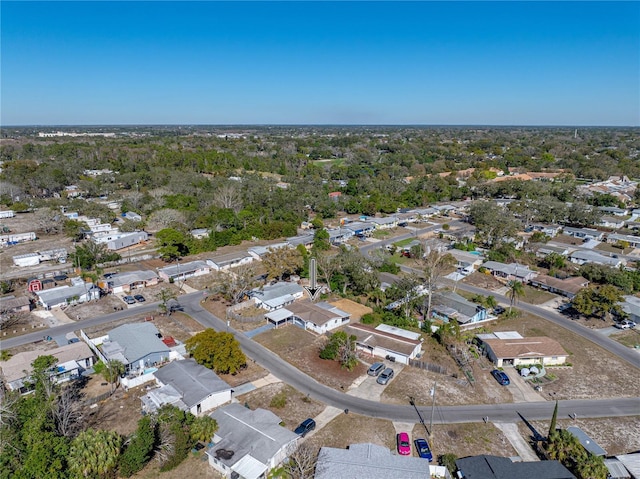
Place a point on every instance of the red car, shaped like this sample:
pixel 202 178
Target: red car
pixel 404 446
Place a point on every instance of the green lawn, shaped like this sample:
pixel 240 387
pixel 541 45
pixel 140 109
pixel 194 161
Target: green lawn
pixel 381 234
pixel 609 248
pixel 404 242
pixel 536 296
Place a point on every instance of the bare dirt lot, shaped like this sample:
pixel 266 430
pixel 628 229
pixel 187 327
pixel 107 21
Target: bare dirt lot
pixel 296 409
pixel 301 349
pixel 353 429
pixel 616 435
pixel 483 280
pixel 119 412
pixel 466 440
pixel 595 373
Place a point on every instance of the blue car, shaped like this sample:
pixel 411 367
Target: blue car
pixel 501 377
pixel 423 449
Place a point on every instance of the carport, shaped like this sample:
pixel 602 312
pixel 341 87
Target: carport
pixel 279 316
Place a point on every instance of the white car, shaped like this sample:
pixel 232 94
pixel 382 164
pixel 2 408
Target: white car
pixel 626 324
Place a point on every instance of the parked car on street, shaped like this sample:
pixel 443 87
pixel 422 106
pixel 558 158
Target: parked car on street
pixel 375 369
pixel 404 446
pixel 501 377
pixel 385 376
pixel 305 427
pixel 139 298
pixel 129 300
pixel 423 449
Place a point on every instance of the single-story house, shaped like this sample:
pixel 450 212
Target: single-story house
pixel 72 360
pixel 568 287
pixel 631 306
pixel 126 282
pixel 200 233
pixel 511 271
pixel 231 260
pixel 371 460
pixel 548 230
pixel 361 228
pixel 7 214
pixel 542 250
pixel 339 235
pixel 631 462
pixel 248 444
pixel 133 216
pixel 613 222
pixel 512 349
pixel 276 296
pixel 634 241
pixel 613 211
pixel 496 467
pixel 583 233
pixel 425 213
pixel 188 386
pixel 11 304
pixel 467 262
pixel 318 317
pixel 118 241
pixel 182 271
pixel 387 222
pixel 305 240
pixel 136 345
pixel 65 295
pixel 588 256
pixel 450 306
pixel 27 259
pixel 384 344
pixel 259 251
pixel 15 238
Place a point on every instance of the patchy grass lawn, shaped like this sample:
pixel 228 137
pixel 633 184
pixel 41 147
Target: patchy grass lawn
pixel 536 296
pixel 354 429
pixel 595 373
pixel 483 280
pixel 195 466
pixel 301 349
pixel 248 374
pixel 466 440
pixel 616 435
pixel 296 409
pixel 630 337
pixel 609 248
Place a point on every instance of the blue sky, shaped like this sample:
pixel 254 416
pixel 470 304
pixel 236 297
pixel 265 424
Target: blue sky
pixel 498 63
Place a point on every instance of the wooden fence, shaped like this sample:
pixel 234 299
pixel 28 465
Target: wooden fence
pixel 434 368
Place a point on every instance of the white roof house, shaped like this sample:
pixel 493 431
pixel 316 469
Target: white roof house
pixel 228 261
pixel 125 282
pixel 588 256
pixel 182 271
pixel 278 295
pixel 198 389
pixel 384 344
pixel 318 317
pixel 136 345
pixel 64 295
pixel 248 443
pixel 510 271
pixel 259 251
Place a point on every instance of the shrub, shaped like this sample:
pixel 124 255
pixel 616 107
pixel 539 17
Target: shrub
pixel 279 400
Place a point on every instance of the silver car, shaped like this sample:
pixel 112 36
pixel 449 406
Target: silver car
pixel 385 376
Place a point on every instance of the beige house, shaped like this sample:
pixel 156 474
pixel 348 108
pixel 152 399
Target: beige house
pixel 385 344
pixel 517 351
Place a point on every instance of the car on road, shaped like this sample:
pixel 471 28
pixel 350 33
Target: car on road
pixel 375 369
pixel 423 449
pixel 305 427
pixel 139 298
pixel 501 377
pixel 385 376
pixel 404 446
pixel 626 324
pixel 129 300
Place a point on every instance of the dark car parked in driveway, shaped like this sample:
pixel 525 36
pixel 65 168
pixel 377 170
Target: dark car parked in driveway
pixel 305 427
pixel 423 449
pixel 139 298
pixel 501 377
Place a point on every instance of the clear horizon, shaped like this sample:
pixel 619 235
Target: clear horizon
pixel 520 64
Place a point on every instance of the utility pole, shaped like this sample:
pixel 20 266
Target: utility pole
pixel 433 406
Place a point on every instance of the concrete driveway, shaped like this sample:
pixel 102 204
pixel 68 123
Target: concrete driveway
pixel 519 389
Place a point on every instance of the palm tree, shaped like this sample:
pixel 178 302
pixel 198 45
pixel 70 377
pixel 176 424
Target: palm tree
pixel 516 290
pixel 203 428
pixel 377 295
pixel 94 453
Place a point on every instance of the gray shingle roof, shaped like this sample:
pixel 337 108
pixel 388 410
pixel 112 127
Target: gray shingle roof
pixel 193 381
pixel 368 460
pixel 244 431
pixel 495 467
pixel 137 340
pixel 121 279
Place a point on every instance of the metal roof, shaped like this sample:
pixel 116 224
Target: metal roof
pixel 588 443
pixel 193 381
pixel 138 340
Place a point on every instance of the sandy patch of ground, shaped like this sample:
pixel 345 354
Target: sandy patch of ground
pixel 301 349
pixel 356 310
pixel 466 440
pixel 297 408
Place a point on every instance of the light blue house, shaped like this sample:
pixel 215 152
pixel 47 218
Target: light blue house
pixel 448 306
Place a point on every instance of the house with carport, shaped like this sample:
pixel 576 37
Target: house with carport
pixel 182 271
pixel 509 272
pixel 509 348
pixel 583 256
pixel 188 386
pixel 276 296
pixel 248 443
pixel 131 280
pixel 317 317
pixel 567 287
pixel 401 345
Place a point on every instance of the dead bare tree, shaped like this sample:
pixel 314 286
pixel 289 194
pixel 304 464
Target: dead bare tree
pixel 166 443
pixel 328 265
pixel 234 285
pixel 302 462
pixel 228 196
pixel 67 410
pixel 9 319
pixel 433 263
